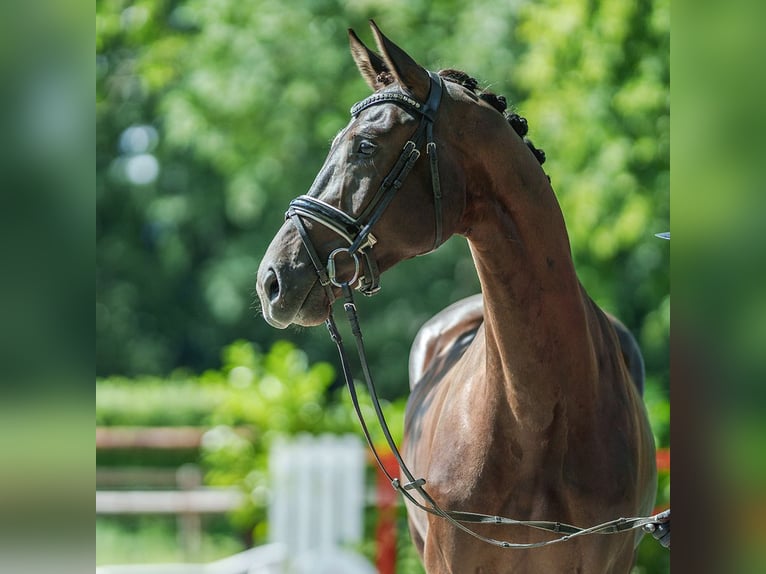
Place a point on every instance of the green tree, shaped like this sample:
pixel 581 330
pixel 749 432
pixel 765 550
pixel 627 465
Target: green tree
pixel 213 114
pixel 235 103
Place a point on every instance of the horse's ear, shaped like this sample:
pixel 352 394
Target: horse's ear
pixel 408 72
pixel 369 63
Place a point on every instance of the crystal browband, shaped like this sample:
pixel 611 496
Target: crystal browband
pixel 393 97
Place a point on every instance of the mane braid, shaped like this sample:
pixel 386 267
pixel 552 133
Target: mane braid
pixel 385 78
pixel 518 123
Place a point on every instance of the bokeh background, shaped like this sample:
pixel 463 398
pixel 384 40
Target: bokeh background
pixel 47 186
pixel 212 114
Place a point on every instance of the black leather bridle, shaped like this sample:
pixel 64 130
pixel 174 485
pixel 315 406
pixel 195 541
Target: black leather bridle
pixel 357 231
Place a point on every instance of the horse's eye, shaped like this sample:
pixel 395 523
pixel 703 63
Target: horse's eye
pixel 366 147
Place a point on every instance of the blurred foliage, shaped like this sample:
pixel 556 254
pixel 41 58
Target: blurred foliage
pixel 275 395
pixel 143 539
pixel 144 401
pixel 212 115
pixel 268 395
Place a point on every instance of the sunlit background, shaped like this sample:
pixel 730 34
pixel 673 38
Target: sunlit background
pixel 212 115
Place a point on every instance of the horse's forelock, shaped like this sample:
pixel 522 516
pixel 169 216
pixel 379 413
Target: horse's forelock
pixel 385 78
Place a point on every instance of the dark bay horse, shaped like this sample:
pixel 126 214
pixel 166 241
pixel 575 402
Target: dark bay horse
pixel 523 401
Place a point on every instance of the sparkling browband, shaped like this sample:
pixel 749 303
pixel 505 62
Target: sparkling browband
pixel 393 97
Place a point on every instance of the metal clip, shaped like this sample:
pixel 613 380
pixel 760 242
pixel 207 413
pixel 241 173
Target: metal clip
pixel 415 484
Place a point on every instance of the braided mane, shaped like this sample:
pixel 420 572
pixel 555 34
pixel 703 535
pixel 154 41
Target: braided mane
pixel 518 123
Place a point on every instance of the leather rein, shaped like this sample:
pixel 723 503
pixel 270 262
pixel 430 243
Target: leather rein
pixel 357 232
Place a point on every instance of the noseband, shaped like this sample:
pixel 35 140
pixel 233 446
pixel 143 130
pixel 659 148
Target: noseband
pixel 357 231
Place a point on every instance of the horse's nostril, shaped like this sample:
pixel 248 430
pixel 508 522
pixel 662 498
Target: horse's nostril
pixel 272 285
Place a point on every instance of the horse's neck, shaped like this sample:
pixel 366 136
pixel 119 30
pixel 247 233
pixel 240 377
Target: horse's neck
pixel 536 325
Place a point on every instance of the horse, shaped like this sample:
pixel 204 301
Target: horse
pixel 525 400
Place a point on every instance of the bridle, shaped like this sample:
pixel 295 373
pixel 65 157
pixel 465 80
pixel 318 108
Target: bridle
pixel 357 232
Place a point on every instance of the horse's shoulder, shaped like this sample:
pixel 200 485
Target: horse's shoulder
pixel 449 330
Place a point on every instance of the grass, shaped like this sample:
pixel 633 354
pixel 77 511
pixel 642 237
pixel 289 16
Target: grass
pixel 138 540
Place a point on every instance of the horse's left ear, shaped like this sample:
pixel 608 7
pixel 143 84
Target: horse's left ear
pixel 406 70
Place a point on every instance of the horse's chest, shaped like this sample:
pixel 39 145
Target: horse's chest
pixel 471 461
pixel 474 459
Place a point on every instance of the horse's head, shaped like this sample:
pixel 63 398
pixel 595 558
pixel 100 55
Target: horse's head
pixel 373 203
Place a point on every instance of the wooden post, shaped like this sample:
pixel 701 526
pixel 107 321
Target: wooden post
pixel 385 534
pixel 189 477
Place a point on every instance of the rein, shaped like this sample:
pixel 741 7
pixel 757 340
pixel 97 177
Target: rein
pixel 458 519
pixel 357 232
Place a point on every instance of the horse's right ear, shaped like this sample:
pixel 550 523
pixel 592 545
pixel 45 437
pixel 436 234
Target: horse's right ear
pixel 369 63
